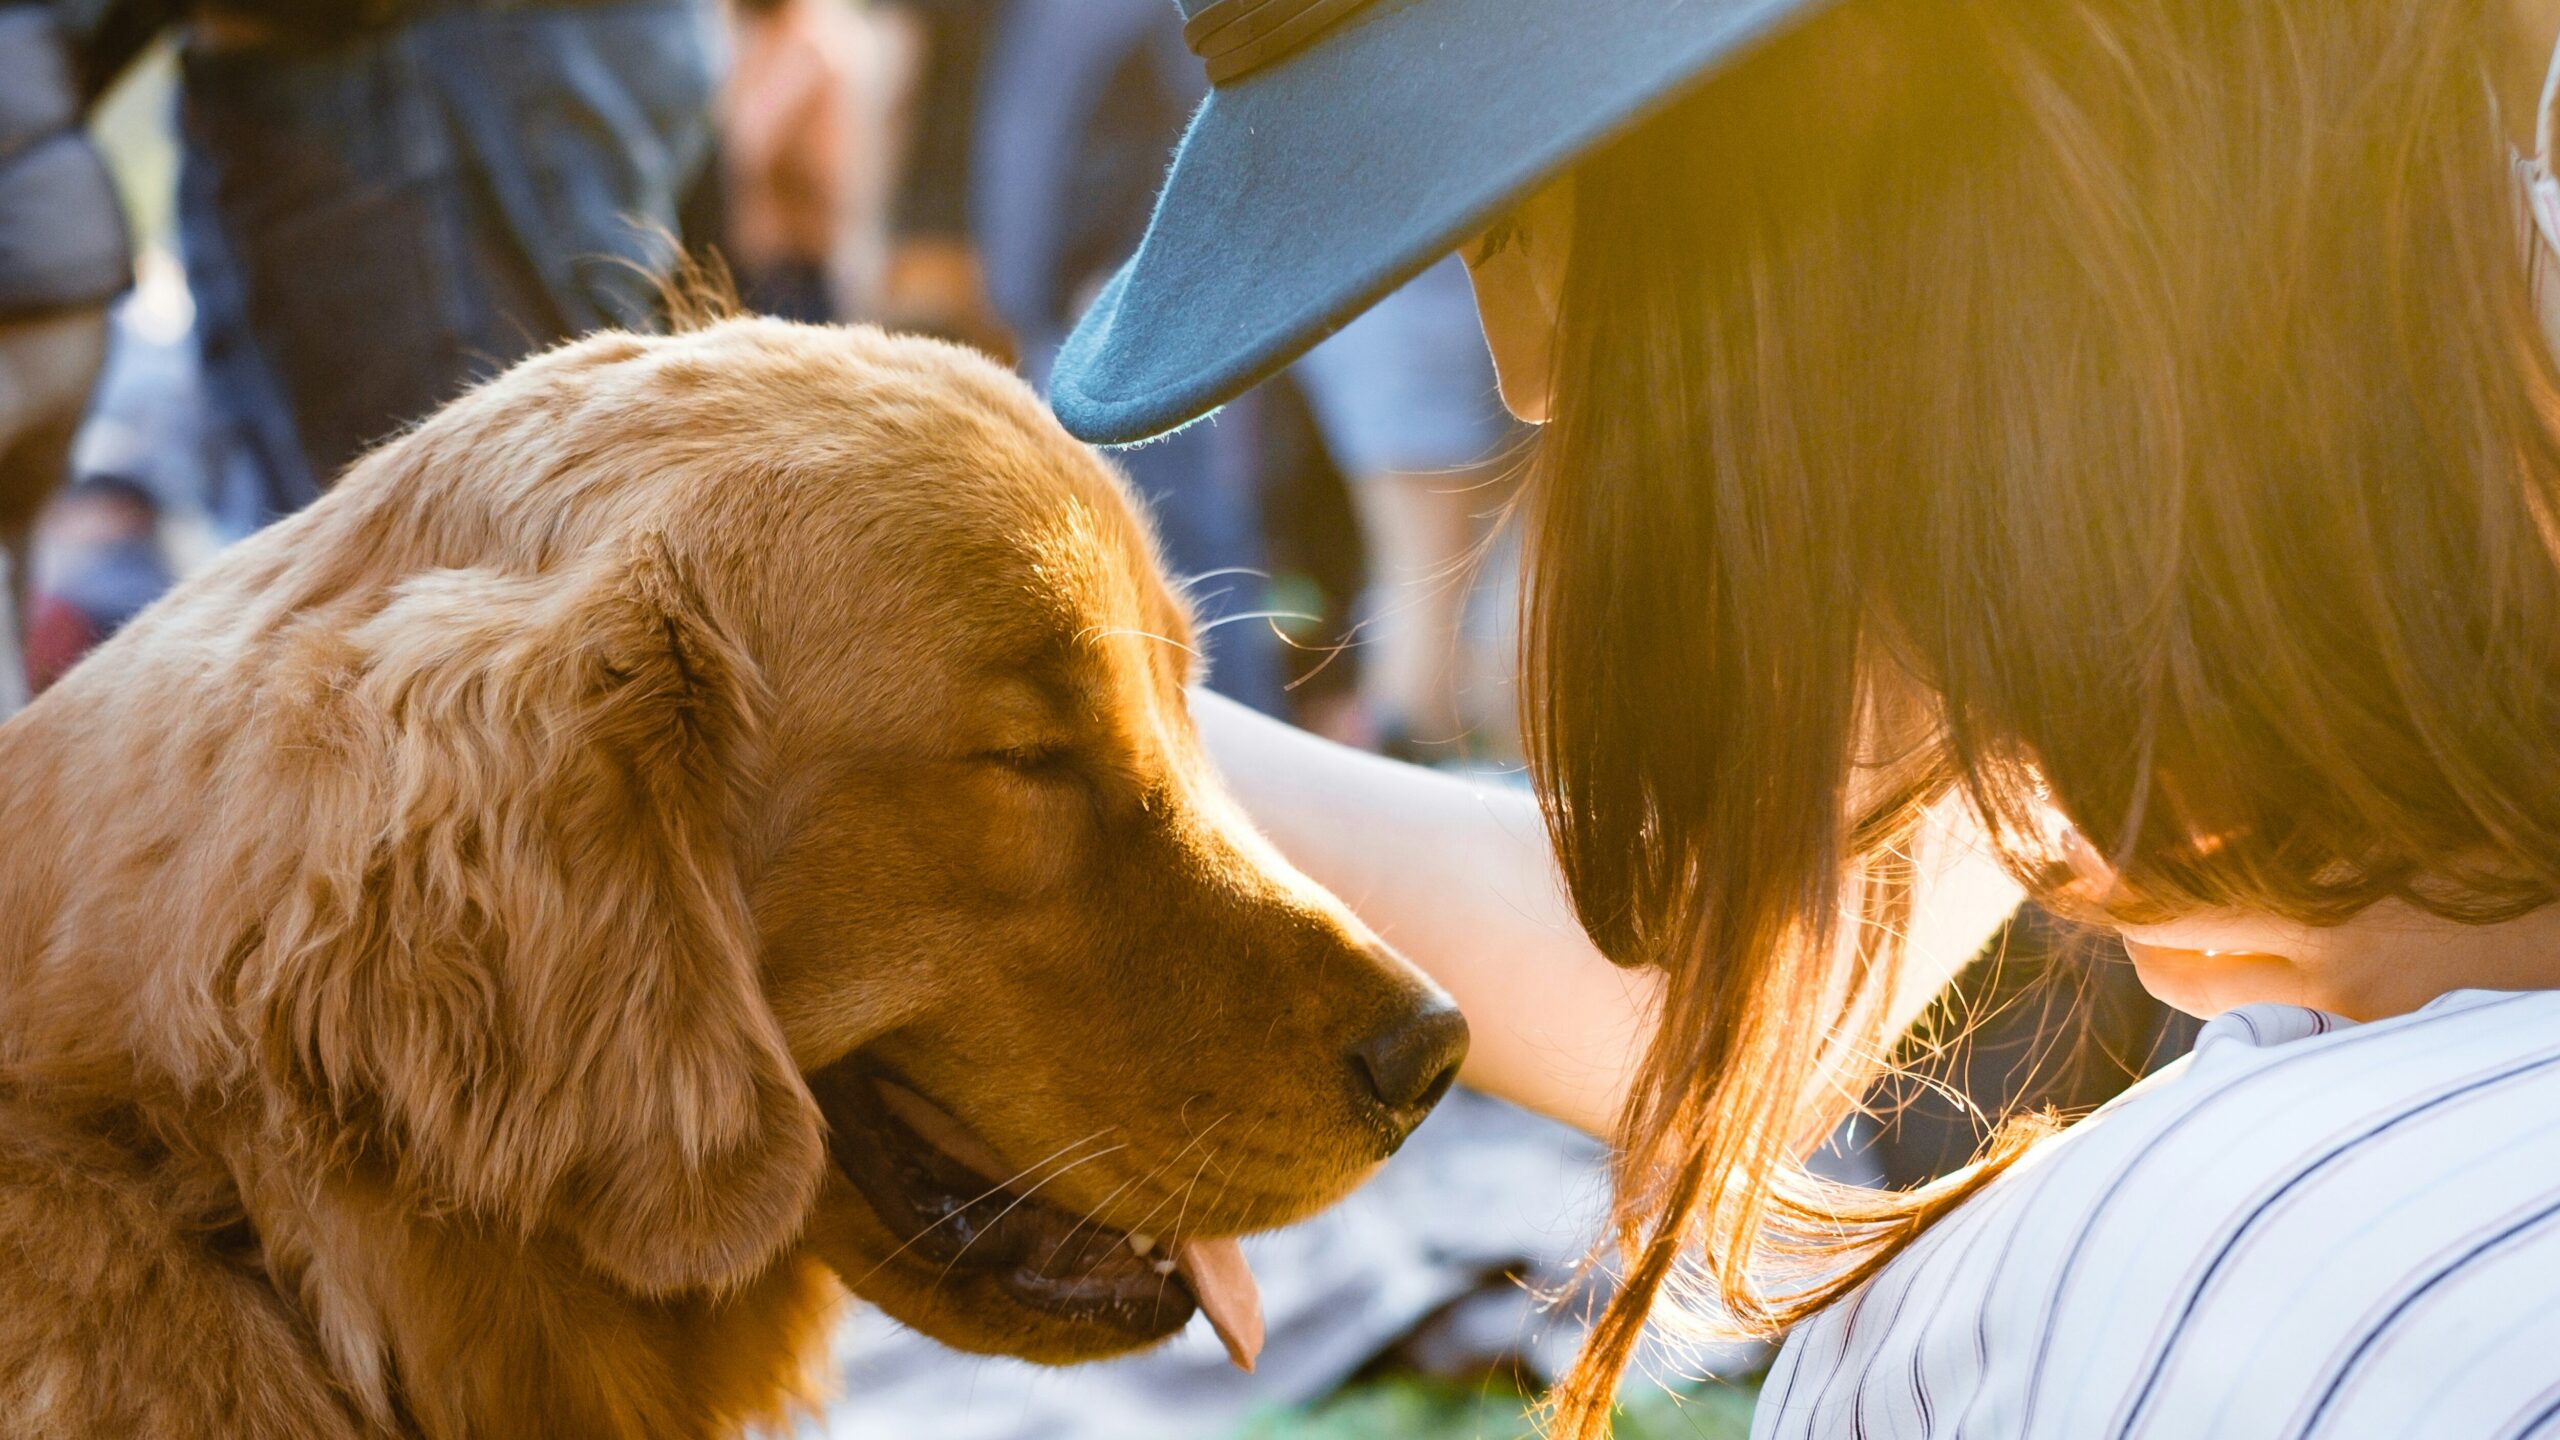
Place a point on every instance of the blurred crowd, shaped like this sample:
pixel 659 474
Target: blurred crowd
pixel 345 211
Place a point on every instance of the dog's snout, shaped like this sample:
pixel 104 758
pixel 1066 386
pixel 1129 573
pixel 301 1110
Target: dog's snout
pixel 1409 1065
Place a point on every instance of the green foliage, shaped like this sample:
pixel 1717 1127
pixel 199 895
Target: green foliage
pixel 1404 1409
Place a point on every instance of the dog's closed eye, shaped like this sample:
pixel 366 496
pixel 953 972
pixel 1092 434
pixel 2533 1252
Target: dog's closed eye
pixel 1039 760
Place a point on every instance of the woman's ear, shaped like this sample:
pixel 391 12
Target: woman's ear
pixel 520 967
pixel 1518 267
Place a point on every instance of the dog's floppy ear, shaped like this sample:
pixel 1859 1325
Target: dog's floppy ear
pixel 520 968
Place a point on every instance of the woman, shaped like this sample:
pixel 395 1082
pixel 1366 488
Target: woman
pixel 2110 437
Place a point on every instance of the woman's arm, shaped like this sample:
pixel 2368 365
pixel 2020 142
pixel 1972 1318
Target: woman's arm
pixel 1458 876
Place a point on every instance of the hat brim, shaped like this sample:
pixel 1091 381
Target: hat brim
pixel 1304 193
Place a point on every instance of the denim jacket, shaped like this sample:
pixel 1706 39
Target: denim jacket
pixel 62 231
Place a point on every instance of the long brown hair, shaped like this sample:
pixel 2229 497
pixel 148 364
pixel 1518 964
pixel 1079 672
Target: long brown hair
pixel 2125 408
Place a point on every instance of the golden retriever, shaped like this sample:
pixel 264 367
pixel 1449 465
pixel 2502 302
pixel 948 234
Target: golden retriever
pixel 697 825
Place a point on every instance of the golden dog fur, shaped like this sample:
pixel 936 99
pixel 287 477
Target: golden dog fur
pixel 419 933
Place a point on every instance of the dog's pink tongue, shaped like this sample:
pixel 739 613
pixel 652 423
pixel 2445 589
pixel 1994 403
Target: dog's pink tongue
pixel 1223 1284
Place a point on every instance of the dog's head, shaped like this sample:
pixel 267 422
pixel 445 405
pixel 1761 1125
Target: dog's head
pixel 761 810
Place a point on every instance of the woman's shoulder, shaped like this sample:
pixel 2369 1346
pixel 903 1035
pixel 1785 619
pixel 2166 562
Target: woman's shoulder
pixel 2304 1227
pixel 2267 1087
pixel 2302 1064
pixel 2277 1094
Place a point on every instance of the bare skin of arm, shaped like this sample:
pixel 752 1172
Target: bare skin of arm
pixel 1458 877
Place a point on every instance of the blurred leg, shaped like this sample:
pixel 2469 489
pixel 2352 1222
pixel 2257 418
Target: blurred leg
pixel 1406 399
pixel 47 365
pixel 1422 533
pixel 1204 489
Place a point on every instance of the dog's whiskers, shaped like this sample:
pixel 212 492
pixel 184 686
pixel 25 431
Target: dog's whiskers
pixel 1153 1171
pixel 1182 1215
pixel 1017 1204
pixel 1241 1147
pixel 1105 632
pixel 1168 1163
pixel 1190 1188
pixel 1174 1159
pixel 988 1194
pixel 1240 617
pixel 1092 1218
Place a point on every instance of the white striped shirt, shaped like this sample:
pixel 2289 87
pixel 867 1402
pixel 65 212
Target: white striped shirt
pixel 2304 1230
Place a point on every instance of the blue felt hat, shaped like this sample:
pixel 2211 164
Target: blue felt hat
pixel 1345 146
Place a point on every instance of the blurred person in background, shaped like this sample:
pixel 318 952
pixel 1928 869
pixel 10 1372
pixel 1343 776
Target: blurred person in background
pixel 381 201
pixel 1080 102
pixel 805 154
pixel 63 255
pixel 1406 400
pixel 100 561
pixel 934 283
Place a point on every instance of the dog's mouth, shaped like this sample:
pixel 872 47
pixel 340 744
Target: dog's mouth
pixel 949 1199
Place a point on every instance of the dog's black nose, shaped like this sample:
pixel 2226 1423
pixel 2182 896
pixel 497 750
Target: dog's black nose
pixel 1409 1065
